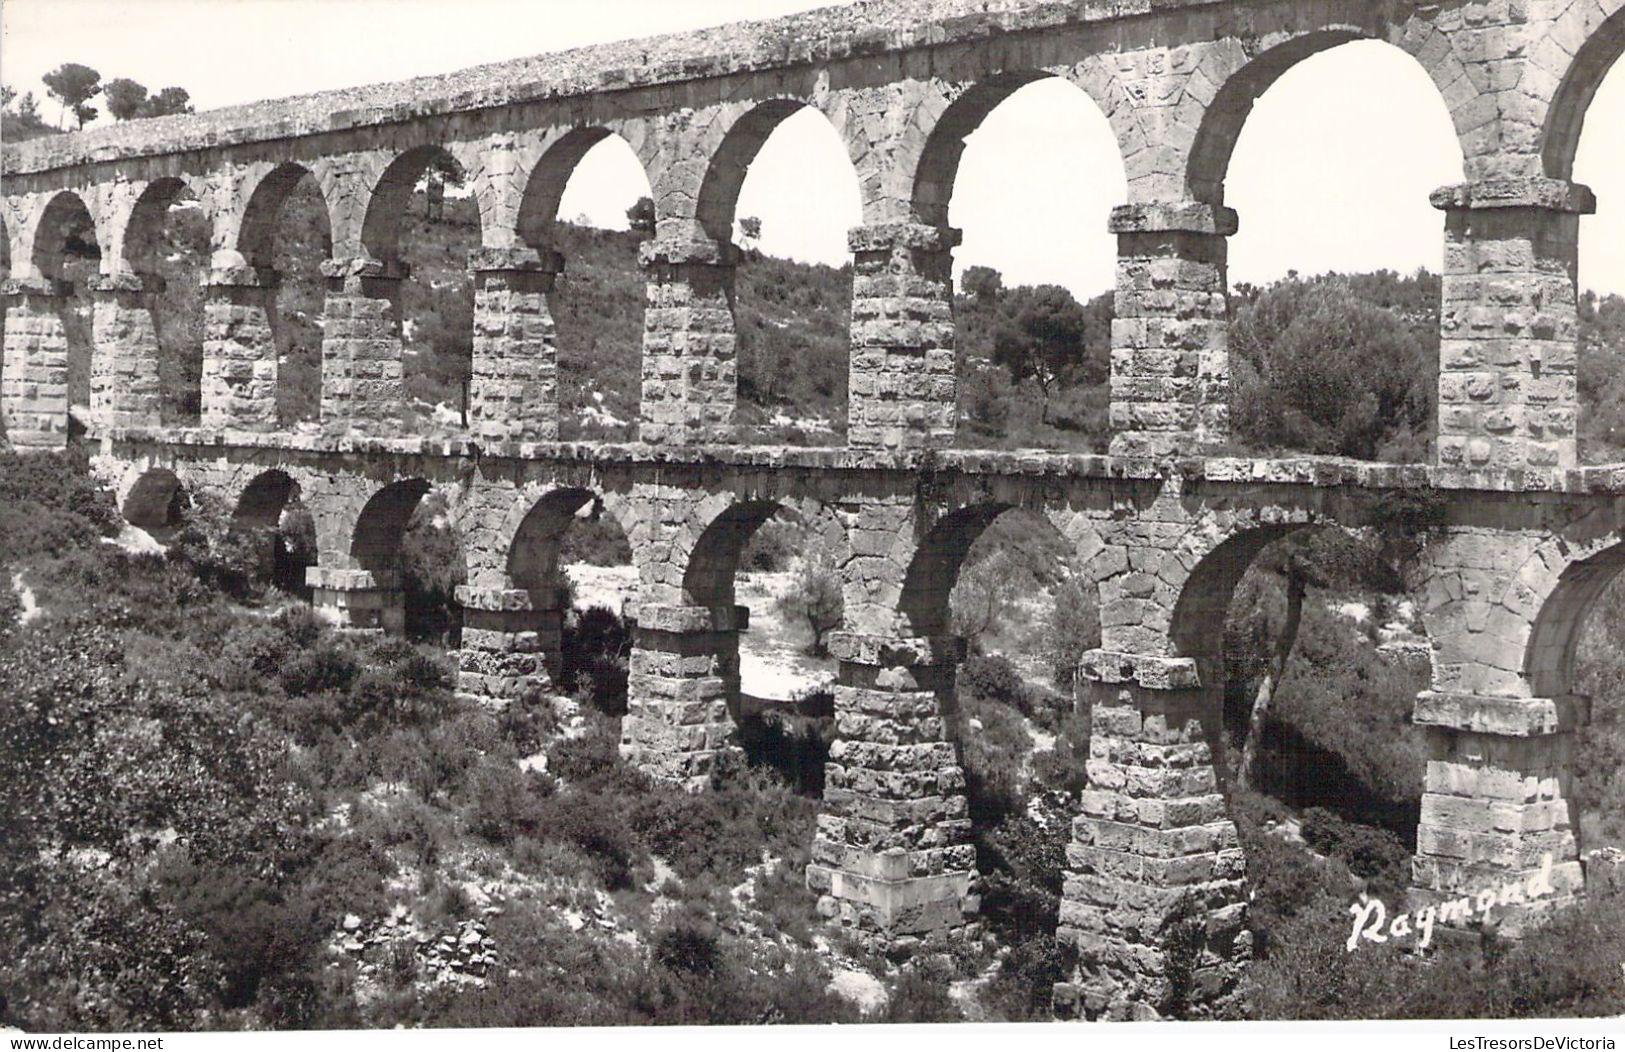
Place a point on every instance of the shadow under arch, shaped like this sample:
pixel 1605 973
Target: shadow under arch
pixel 67 252
pixel 386 207
pixel 289 220
pixel 585 651
pixel 375 543
pixel 156 502
pixel 269 512
pixel 595 326
pixel 255 238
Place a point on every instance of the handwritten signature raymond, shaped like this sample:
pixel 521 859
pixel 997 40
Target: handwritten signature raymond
pixel 1371 916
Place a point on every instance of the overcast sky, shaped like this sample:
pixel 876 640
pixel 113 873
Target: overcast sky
pixel 1332 171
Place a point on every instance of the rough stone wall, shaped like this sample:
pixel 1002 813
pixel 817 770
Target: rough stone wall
pixel 513 391
pixel 361 348
pixel 124 361
pixel 34 377
pixel 239 352
pixel 1509 325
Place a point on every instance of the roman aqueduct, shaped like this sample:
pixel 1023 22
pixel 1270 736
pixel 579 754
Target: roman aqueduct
pixel 1523 540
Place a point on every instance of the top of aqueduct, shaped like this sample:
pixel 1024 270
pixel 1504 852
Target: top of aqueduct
pixel 823 34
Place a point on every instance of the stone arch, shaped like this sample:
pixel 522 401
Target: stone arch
pixel 255 237
pixel 1557 587
pixel 721 535
pixel 539 513
pixel 146 222
pixel 154 500
pixel 166 348
pixel 1196 628
pixel 375 541
pixel 64 217
pixel 1604 42
pixel 933 566
pixel 1242 79
pixel 730 161
pixel 938 162
pixel 533 554
pixel 386 205
pixel 545 186
pixel 262 501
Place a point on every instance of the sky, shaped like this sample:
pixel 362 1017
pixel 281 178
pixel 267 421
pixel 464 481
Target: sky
pixel 1331 172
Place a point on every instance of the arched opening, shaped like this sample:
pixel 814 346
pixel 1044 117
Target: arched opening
pixel 1577 647
pixel 167 245
pixel 1583 145
pixel 1002 578
pixel 783 189
pixel 1027 166
pixel 67 252
pixel 408 539
pixel 423 215
pixel 773 573
pixel 572 555
pixel 1328 147
pixel 589 200
pixel 287 231
pixel 270 516
pixel 156 503
pixel 1310 657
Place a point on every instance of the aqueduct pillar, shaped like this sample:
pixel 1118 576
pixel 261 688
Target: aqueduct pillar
pixel 690 353
pixel 893 858
pixel 1170 368
pixel 1154 900
pixel 239 350
pixel 124 388
pixel 903 365
pixel 513 391
pixel 34 374
pixel 1497 797
pixel 361 346
pixel 1509 324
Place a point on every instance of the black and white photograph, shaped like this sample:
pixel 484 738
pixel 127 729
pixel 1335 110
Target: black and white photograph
pixel 1097 514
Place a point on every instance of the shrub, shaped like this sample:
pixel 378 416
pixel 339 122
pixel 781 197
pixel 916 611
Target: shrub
pixel 329 666
pixel 688 942
pixel 597 653
pixel 596 824
pixel 991 678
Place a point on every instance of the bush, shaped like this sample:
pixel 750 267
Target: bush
pixel 597 659
pixel 993 679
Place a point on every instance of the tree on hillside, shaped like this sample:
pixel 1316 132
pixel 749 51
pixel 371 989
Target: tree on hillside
pixel 168 101
pixel 1040 337
pixel 74 85
pixel 125 98
pixel 641 216
pixel 750 231
pixel 1318 368
pixel 982 283
pixel 814 597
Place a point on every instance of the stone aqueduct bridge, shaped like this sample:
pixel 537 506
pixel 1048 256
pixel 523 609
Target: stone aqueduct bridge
pixel 1522 539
